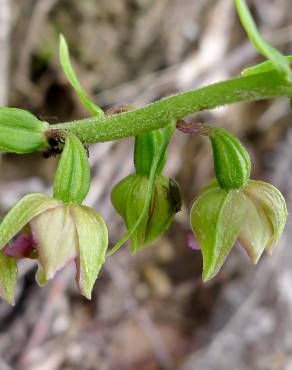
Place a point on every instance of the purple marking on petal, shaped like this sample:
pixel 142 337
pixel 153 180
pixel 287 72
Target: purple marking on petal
pixel 22 247
pixel 192 242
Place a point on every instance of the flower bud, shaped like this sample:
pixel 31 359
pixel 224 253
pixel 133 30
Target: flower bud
pixel 72 178
pixel 21 132
pixel 128 197
pixel 231 160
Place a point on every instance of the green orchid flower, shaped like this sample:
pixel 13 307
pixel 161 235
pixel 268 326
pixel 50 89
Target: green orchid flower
pixel 58 230
pixel 234 207
pixel 55 234
pixel 147 200
pixel 255 215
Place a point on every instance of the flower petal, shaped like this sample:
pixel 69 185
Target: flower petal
pixel 256 231
pixel 273 204
pixel 28 207
pixel 8 277
pixel 93 243
pixel 216 218
pixel 55 234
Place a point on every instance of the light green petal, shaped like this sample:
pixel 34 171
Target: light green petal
pixel 8 277
pixel 28 207
pixel 216 218
pixel 256 231
pixel 55 234
pixel 93 243
pixel 273 204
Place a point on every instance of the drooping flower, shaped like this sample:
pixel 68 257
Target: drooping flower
pixel 255 215
pixel 128 197
pixel 147 200
pixel 55 234
pixel 58 230
pixel 233 207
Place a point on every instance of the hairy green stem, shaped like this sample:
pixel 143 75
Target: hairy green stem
pixel 158 114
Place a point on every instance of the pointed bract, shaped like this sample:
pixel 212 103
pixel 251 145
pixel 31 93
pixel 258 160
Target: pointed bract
pixel 70 74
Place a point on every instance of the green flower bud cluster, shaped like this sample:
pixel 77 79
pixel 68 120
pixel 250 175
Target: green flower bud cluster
pixel 233 207
pixel 57 230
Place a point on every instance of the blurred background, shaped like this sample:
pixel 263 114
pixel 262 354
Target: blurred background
pixel 150 311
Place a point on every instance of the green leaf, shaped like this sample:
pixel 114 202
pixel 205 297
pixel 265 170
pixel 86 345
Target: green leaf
pixel 93 242
pixel 8 278
pixel 72 177
pixel 216 219
pixel 273 204
pixel 27 208
pixel 70 74
pixel 264 67
pixel 280 62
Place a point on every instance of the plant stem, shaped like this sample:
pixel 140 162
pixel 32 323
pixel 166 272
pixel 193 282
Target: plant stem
pixel 159 114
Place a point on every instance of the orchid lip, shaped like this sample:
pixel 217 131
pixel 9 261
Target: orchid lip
pixel 22 247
